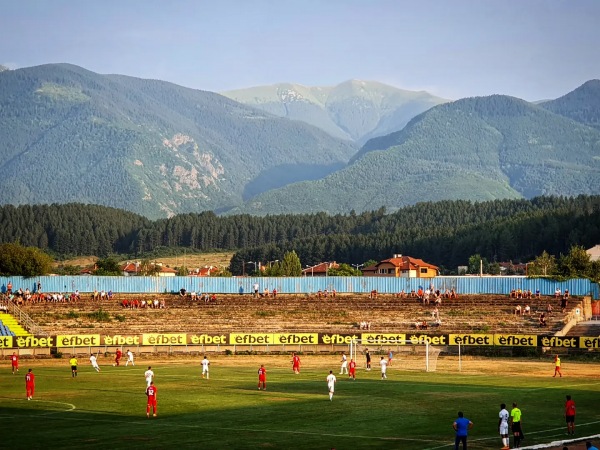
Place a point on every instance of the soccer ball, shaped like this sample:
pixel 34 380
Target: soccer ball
pixel 114 365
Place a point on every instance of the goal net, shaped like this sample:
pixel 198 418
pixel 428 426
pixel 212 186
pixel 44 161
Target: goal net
pixel 406 354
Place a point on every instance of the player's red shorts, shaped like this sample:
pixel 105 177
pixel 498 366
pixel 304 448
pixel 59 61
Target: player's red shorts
pixel 296 367
pixel 29 387
pixel 262 378
pixel 152 402
pixel 352 372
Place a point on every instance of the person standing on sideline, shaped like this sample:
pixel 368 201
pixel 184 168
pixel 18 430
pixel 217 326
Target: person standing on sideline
pixel 515 421
pixel 151 394
pixel 29 384
pixel 461 425
pixel 352 372
pixel 344 368
pixel 129 358
pixel 149 375
pixel 118 355
pixel 383 363
pixel 390 357
pixel 262 377
pixel 14 361
pixel 557 366
pixel 205 363
pixel 73 362
pixel 331 380
pixel 570 415
pixel 94 362
pixel 503 426
pixel 368 356
pixel 590 446
pixel 295 363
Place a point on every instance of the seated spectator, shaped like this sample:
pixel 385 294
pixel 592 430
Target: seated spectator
pixel 566 293
pixel 102 295
pixel 95 295
pixel 527 294
pixel 453 294
pixel 143 304
pixel 420 294
pixel 163 304
pixel 333 292
pixel 437 323
pixel 418 325
pixel 527 310
pixel 543 320
pixel 518 310
pixel 274 293
pixel 193 295
pixel 438 301
pixel 435 313
pixel 76 295
pixel 426 295
pixel 319 293
pixel 513 293
pixel 424 325
pixel 447 293
pixel 326 293
pixel 537 293
pixel 155 303
pixel 136 304
pixel 182 292
pixel 109 294
pixel 373 294
pixel 519 293
pixel 401 294
pixel 213 298
pixel 557 293
pixel 125 303
pixel 413 294
pixel 549 309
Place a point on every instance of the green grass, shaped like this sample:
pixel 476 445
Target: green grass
pixel 410 410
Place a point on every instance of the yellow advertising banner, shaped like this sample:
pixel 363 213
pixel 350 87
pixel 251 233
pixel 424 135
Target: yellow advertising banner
pixel 164 339
pixel 589 342
pixel 515 340
pixel 77 340
pixel 6 342
pixel 383 338
pixel 34 341
pixel 207 339
pixel 471 339
pixel 296 338
pixel 558 341
pixel 118 340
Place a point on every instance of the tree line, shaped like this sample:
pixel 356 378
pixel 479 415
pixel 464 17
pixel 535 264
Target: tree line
pixel 445 233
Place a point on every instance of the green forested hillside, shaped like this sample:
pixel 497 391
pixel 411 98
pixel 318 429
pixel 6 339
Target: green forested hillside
pixel 356 110
pixel 444 233
pixel 151 147
pixel 581 105
pixel 477 148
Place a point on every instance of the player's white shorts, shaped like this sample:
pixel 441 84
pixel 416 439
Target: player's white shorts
pixel 503 428
pixel 205 370
pixel 331 387
pixel 383 369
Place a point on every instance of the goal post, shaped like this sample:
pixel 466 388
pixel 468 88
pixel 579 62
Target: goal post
pixel 406 354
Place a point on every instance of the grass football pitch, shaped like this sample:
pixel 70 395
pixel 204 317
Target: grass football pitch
pixel 410 410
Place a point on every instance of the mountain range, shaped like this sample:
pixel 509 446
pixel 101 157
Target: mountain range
pixel 356 110
pixel 151 147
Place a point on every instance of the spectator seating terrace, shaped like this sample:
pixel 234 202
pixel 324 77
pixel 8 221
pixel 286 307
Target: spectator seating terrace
pixel 295 313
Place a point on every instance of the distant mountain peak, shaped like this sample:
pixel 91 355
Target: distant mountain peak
pixel 354 109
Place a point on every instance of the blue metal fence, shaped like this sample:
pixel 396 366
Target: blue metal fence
pixel 298 285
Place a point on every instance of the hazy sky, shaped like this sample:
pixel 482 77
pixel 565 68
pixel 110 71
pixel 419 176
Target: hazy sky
pixel 532 49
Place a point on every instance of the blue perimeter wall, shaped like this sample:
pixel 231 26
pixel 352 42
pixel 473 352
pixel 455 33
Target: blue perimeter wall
pixel 298 285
